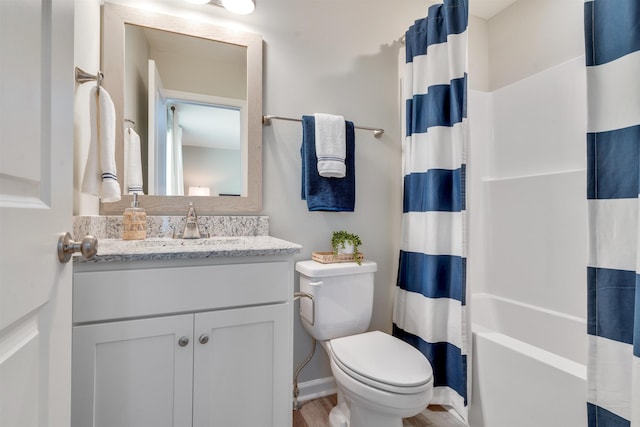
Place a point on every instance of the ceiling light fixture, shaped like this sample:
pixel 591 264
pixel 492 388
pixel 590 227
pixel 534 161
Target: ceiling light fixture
pixel 240 7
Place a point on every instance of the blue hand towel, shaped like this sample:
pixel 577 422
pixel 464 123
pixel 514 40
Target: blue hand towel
pixel 327 194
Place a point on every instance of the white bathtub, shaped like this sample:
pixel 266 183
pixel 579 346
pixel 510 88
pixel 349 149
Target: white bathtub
pixel 528 366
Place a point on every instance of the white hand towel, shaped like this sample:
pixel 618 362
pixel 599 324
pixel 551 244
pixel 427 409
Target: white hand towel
pixel 133 168
pixel 331 146
pixel 100 174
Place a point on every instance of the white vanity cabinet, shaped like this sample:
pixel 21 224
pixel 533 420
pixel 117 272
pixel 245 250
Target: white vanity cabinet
pixel 183 343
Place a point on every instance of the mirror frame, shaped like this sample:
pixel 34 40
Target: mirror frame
pixel 114 18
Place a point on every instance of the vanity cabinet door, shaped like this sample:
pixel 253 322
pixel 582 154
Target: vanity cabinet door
pixel 133 373
pixel 242 367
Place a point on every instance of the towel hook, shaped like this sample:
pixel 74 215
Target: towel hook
pixel 129 124
pixel 83 77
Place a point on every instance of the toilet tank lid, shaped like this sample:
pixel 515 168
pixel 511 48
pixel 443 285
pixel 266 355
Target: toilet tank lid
pixel 313 268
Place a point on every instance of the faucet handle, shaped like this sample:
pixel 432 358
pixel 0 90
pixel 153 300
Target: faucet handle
pixel 191 213
pixel 191 229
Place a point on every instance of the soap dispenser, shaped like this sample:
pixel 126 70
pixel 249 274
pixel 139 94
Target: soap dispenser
pixel 134 223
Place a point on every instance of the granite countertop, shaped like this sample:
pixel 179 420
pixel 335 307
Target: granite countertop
pixel 116 250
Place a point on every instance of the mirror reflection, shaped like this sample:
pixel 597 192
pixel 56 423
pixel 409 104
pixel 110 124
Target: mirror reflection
pixel 153 62
pixel 208 157
pixel 191 93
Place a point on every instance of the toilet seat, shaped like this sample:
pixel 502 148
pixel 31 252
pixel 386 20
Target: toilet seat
pixel 382 361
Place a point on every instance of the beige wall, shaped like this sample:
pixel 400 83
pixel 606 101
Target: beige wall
pixel 531 36
pixel 478 54
pixel 136 84
pixel 186 72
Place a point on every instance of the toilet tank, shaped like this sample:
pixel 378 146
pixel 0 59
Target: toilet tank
pixel 342 297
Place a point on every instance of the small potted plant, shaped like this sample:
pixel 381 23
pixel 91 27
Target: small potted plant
pixel 346 243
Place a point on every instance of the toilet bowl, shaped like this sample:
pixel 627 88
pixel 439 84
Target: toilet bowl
pixel 380 378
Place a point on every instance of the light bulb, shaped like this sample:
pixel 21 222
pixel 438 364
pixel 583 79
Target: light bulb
pixel 241 7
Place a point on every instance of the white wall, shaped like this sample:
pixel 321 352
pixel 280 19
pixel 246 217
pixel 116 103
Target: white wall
pixel 215 168
pixel 338 57
pixel 86 55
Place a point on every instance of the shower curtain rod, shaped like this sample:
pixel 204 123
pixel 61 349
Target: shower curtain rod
pixel 266 120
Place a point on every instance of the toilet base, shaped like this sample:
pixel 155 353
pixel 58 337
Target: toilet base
pixel 339 416
pixel 362 406
pixel 357 415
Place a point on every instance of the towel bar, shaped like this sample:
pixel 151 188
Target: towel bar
pixel 266 120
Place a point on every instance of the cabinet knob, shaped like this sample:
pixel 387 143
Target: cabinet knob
pixel 203 339
pixel 183 341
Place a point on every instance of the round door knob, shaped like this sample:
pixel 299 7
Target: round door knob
pixel 183 341
pixel 88 247
pixel 203 339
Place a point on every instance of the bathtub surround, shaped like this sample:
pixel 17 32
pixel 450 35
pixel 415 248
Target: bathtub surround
pixel 613 142
pixel 512 342
pixel 527 213
pixel 528 235
pixel 430 309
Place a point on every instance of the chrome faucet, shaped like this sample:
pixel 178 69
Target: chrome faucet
pixel 191 230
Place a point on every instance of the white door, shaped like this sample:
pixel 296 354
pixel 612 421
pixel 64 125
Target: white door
pixel 157 132
pixel 36 166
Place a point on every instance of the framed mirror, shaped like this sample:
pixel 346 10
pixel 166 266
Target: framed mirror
pixel 193 93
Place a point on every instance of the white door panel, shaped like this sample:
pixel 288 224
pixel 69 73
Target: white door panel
pixel 36 157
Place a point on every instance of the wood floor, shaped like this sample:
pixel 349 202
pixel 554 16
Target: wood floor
pixel 315 413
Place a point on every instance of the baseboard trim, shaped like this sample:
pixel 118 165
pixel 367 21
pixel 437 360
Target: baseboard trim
pixel 317 388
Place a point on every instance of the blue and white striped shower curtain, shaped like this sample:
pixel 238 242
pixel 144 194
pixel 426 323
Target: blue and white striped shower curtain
pixel 430 301
pixel 612 41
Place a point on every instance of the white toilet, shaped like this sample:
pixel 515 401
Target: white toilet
pixel 380 378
